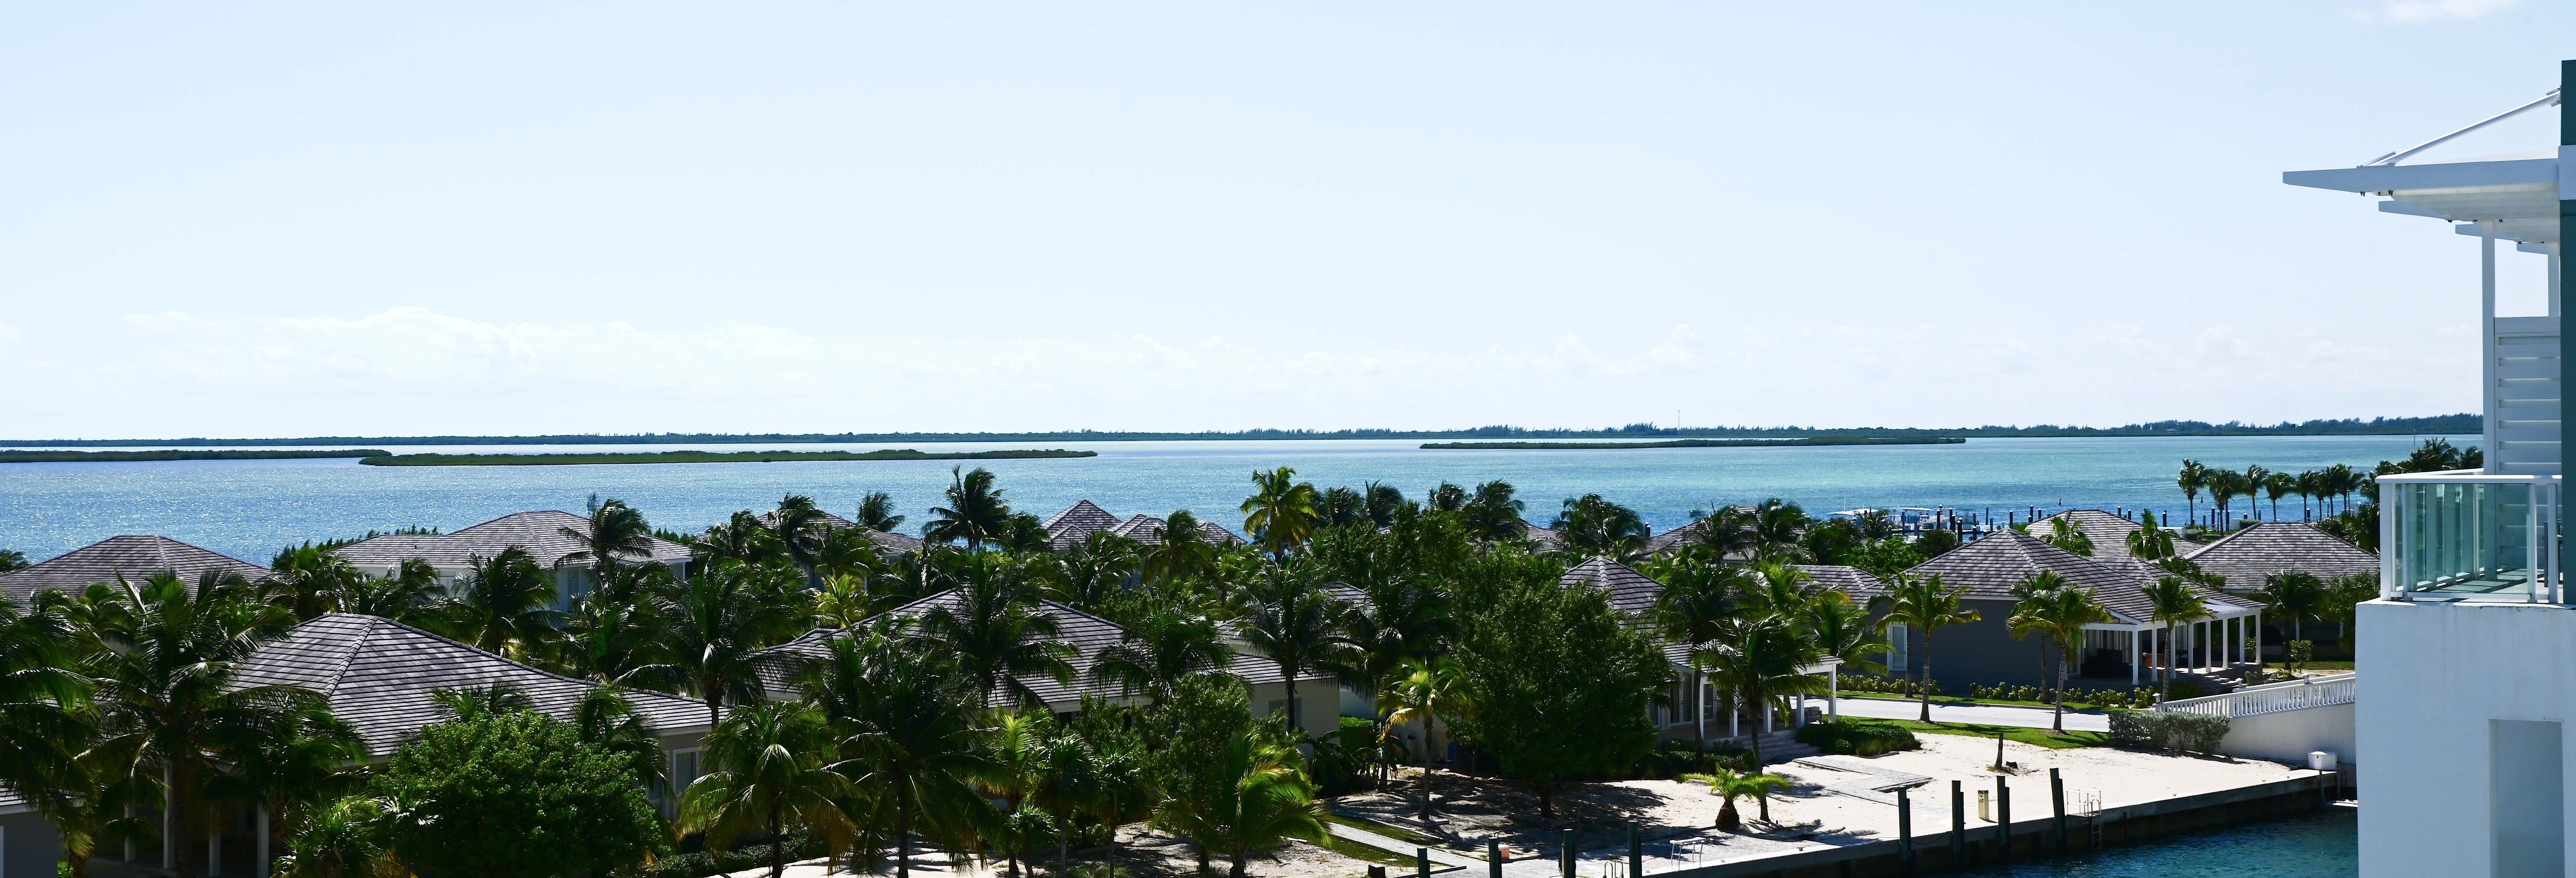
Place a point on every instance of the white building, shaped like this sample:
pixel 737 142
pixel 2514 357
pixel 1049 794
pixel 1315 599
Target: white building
pixel 2467 662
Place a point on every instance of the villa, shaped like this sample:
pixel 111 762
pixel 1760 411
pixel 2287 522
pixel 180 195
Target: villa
pixel 2108 531
pixel 553 537
pixel 2463 658
pixel 1078 522
pixel 1634 594
pixel 887 541
pixel 132 556
pixel 1985 651
pixel 2245 559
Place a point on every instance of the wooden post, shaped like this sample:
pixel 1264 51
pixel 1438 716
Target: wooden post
pixel 1636 852
pixel 1904 834
pixel 1958 826
pixel 2003 821
pixel 2057 794
pixel 1494 858
pixel 1565 855
pixel 1422 862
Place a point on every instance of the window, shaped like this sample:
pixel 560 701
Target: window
pixel 1276 705
pixel 1898 662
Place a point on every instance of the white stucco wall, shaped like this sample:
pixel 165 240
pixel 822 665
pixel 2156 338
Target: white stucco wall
pixel 2289 736
pixel 2432 678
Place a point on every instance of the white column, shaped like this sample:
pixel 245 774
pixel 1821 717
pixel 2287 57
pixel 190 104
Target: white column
pixel 2487 389
pixel 2133 657
pixel 1834 692
pixel 261 869
pixel 1699 703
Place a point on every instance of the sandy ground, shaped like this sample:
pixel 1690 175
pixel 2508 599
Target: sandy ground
pixel 1142 853
pixel 1472 810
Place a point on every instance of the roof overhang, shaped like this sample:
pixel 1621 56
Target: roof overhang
pixel 2516 196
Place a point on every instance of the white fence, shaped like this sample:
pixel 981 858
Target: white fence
pixel 2269 698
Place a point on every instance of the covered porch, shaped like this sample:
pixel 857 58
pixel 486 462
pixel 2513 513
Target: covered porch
pixel 1717 716
pixel 2137 648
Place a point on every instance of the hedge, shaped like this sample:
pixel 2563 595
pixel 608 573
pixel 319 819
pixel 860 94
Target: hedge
pixel 1845 737
pixel 2176 732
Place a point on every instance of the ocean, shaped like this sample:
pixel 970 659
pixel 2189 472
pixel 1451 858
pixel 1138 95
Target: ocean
pixel 249 508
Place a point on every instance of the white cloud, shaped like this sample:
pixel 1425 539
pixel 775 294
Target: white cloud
pixel 2414 11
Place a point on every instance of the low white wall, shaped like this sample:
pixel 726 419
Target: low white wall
pixel 2290 735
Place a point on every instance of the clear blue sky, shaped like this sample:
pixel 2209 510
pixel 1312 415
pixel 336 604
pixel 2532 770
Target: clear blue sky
pixel 329 218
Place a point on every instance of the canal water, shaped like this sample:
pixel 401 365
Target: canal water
pixel 2322 846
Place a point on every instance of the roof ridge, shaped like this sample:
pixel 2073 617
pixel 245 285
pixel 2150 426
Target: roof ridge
pixel 365 632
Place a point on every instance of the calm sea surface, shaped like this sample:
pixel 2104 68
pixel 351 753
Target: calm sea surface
pixel 248 508
pixel 2324 846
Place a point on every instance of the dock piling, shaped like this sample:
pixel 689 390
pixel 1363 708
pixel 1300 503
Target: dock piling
pixel 2057 794
pixel 1494 858
pixel 1958 826
pixel 1904 834
pixel 2003 821
pixel 1636 852
pixel 1422 862
pixel 1565 855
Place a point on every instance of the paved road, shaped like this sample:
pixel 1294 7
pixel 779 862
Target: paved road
pixel 1988 714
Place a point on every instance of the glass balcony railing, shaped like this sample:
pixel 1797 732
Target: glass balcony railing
pixel 2470 536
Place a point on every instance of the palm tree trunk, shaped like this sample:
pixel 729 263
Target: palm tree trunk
pixel 1288 677
pixel 2057 715
pixel 902 831
pixel 2167 676
pixel 1751 698
pixel 1927 681
pixel 777 847
pixel 1427 723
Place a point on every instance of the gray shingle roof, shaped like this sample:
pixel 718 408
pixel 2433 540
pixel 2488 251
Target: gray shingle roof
pixel 1142 529
pixel 2109 533
pixel 1631 592
pixel 1076 523
pixel 885 540
pixel 2248 556
pixel 1541 538
pixel 1991 566
pixel 379 674
pixel 133 556
pixel 541 533
pixel 1086 633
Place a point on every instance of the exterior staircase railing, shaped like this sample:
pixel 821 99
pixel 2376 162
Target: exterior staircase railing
pixel 2298 694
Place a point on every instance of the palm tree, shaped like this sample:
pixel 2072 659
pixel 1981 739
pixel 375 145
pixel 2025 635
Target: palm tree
pixel 1280 513
pixel 743 538
pixel 1297 624
pixel 1160 650
pixel 606 719
pixel 1777 525
pixel 2224 487
pixel 93 805
pixel 1181 552
pixel 298 760
pixel 2250 483
pixel 1760 661
pixel 1494 513
pixel 40 734
pixel 350 838
pixel 2276 486
pixel 1924 604
pixel 1733 785
pixel 2173 602
pixel 1424 689
pixel 769 777
pixel 1701 597
pixel 904 715
pixel 2295 594
pixel 504 604
pixel 2344 596
pixel 1445 497
pixel 1018 744
pixel 799 525
pixel 2342 481
pixel 1728 531
pixel 1096 569
pixel 1595 526
pixel 876 512
pixel 2149 541
pixel 2060 613
pixel 2063 534
pixel 847 551
pixel 721 616
pixel 975 515
pixel 613 638
pixel 994 627
pixel 2191 480
pixel 166 694
pixel 309 580
pixel 1841 627
pixel 1068 783
pixel 615 531
pixel 1257 799
pixel 2031 587
pixel 844 602
pixel 2308 485
pixel 408 596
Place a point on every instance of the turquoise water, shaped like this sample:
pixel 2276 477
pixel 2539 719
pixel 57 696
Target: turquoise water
pixel 250 507
pixel 2324 846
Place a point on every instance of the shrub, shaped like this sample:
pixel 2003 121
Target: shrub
pixel 1850 738
pixel 517 795
pixel 750 854
pixel 2176 732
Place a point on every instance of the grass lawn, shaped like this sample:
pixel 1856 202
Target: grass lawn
pixel 1398 833
pixel 1961 699
pixel 2326 666
pixel 2038 737
pixel 1358 851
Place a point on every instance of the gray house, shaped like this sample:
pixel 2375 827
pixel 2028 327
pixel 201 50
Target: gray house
pixel 133 556
pixel 2244 559
pixel 543 533
pixel 1985 651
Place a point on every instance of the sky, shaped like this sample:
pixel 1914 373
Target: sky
pixel 365 219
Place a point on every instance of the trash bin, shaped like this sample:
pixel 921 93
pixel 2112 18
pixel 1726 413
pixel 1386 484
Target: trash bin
pixel 2320 760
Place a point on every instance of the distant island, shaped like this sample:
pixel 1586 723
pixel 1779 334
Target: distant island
pixel 1704 443
pixel 2446 425
pixel 705 457
pixel 110 456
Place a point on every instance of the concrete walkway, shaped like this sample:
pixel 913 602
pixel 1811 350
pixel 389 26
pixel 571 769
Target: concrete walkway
pixel 1982 714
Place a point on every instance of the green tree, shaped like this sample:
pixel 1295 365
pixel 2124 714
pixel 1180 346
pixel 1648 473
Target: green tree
pixel 1425 689
pixel 2192 478
pixel 1702 596
pixel 2150 542
pixel 514 794
pixel 409 596
pixel 743 539
pixel 2063 534
pixel 976 513
pixel 718 619
pixel 2295 595
pixel 1924 604
pixel 2059 613
pixel 505 604
pixel 13 560
pixel 351 837
pixel 2173 602
pixel 1762 661
pixel 1561 684
pixel 799 526
pixel 165 691
pixel 1732 785
pixel 1777 524
pixel 1096 571
pixel 876 512
pixel 905 715
pixel 605 718
pixel 309 580
pixel 1841 627
pixel 2276 486
pixel 1281 511
pixel 1494 513
pixel 1178 553
pixel 1155 653
pixel 997 632
pixel 1297 624
pixel 93 803
pixel 296 759
pixel 1933 544
pixel 1593 525
pixel 2344 596
pixel 769 778
pixel 1260 799
pixel 1019 757
pixel 614 533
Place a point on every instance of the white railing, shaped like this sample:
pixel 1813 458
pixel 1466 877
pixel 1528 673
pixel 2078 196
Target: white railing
pixel 2269 698
pixel 2470 536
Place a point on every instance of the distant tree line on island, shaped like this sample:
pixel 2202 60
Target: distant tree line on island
pixel 2459 424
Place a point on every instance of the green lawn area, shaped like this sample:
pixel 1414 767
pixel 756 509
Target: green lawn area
pixel 1364 853
pixel 1961 699
pixel 1398 833
pixel 2327 666
pixel 2038 737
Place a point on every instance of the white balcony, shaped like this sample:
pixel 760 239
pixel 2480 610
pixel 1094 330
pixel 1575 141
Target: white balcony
pixel 2470 536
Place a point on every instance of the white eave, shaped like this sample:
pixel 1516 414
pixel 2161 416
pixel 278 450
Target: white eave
pixel 2519 194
